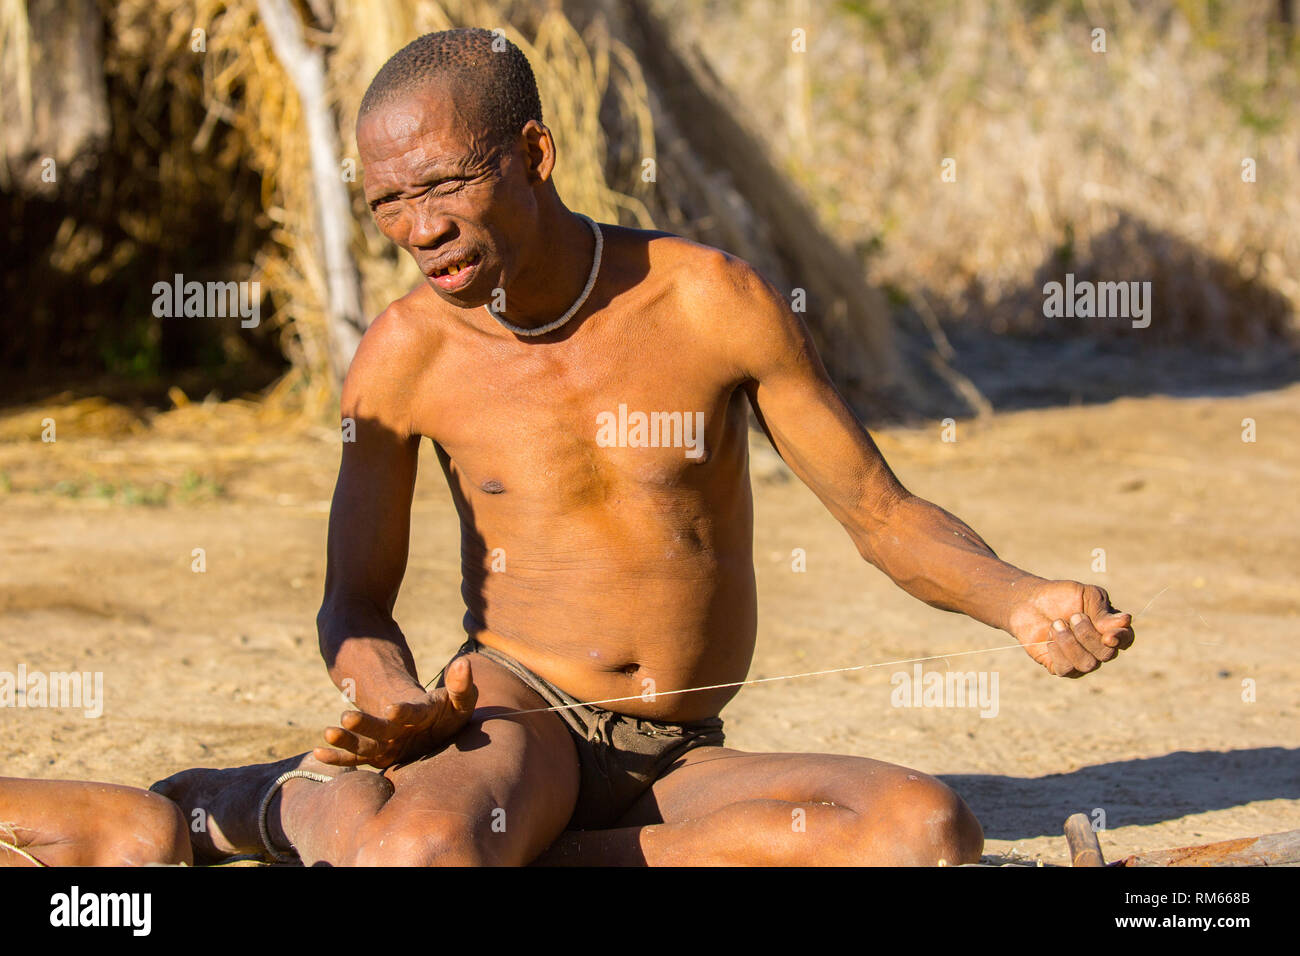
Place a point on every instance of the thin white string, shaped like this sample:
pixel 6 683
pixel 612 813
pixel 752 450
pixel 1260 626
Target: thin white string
pixel 1204 623
pixel 1153 600
pixel 14 848
pixel 764 680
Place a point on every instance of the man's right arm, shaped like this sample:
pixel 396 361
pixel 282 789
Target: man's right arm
pixel 369 531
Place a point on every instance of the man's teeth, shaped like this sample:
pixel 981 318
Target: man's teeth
pixel 453 270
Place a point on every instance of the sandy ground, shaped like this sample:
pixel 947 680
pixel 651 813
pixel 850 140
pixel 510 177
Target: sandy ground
pixel 220 668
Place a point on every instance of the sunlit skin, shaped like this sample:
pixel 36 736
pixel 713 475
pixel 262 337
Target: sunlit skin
pixel 79 823
pixel 624 567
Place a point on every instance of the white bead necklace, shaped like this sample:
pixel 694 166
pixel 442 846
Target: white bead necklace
pixel 573 309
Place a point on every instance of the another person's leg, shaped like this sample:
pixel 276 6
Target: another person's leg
pixel 723 806
pixel 78 823
pixel 499 792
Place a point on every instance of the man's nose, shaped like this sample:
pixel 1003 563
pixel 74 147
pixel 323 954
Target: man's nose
pixel 429 226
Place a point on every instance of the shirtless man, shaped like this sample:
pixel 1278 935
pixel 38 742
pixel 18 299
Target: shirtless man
pixel 598 565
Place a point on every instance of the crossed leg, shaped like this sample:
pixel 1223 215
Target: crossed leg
pixel 498 793
pixel 726 807
pixel 501 791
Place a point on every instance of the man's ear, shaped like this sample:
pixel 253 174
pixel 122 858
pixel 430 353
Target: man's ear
pixel 539 148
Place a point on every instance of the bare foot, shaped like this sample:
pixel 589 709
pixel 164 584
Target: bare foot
pixel 221 806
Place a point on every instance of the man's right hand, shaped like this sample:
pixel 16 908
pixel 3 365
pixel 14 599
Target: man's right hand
pixel 411 726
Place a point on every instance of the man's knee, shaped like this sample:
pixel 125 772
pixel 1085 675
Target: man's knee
pixel 440 841
pixel 930 823
pixel 150 829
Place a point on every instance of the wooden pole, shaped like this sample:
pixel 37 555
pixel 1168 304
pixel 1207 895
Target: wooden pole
pixel 305 66
pixel 54 115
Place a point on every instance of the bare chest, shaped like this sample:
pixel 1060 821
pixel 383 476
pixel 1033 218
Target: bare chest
pixel 579 427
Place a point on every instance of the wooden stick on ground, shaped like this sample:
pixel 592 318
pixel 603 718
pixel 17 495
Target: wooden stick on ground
pixel 1271 849
pixel 1085 850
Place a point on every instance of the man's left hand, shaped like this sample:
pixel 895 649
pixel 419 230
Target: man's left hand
pixel 1078 620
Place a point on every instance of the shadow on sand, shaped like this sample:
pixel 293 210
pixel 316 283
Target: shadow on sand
pixel 1190 782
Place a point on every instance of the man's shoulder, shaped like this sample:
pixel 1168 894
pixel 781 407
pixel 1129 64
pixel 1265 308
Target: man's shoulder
pixel 693 274
pixel 404 336
pixel 406 321
pixel 395 351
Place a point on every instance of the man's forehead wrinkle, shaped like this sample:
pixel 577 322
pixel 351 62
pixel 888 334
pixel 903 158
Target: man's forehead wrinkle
pixel 398 163
pixel 435 130
pixel 409 115
pixel 430 112
pixel 423 167
pixel 391 152
pixel 416 154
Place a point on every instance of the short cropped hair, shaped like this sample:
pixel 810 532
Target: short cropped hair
pixel 493 69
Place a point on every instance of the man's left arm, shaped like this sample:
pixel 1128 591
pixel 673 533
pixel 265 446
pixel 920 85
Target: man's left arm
pixel 1067 627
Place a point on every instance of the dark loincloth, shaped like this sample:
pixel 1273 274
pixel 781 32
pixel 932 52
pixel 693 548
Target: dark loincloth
pixel 619 756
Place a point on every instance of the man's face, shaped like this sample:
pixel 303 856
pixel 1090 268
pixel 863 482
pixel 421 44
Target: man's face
pixel 439 189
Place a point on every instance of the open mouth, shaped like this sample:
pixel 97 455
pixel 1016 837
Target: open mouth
pixel 457 275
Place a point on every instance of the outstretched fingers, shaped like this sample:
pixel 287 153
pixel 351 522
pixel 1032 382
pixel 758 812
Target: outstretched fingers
pixel 353 750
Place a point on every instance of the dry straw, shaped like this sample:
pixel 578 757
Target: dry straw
pixel 200 106
pixel 1122 165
